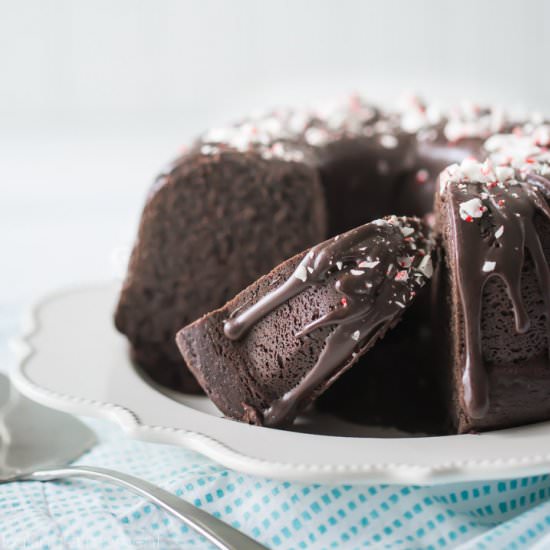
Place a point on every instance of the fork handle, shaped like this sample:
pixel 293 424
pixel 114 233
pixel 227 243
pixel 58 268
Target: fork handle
pixel 216 531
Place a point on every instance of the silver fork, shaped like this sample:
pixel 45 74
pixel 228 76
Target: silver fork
pixel 216 531
pixel 37 443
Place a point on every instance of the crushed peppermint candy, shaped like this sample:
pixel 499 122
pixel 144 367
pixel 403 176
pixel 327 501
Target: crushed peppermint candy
pixel 209 149
pixel 468 120
pixel 504 173
pixel 402 276
pixel 416 116
pixel 541 135
pixel 451 174
pixel 368 265
pixel 521 152
pixel 471 209
pixel 406 231
pixel 316 136
pixel 352 117
pixel 471 169
pixel 301 273
pixel 405 261
pixel 488 267
pixel 388 141
pixel 426 267
pixel 290 134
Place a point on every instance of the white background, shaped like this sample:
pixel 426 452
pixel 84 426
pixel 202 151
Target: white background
pixel 96 95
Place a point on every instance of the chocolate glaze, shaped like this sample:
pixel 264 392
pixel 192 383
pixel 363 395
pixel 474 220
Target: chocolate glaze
pixel 374 289
pixel 489 245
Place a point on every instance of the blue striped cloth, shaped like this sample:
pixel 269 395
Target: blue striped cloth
pixel 77 514
pixel 82 514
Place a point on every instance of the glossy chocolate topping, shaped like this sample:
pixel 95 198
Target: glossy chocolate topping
pixel 377 268
pixel 493 215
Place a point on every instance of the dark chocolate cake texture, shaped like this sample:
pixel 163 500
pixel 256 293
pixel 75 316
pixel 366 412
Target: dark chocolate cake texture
pixel 211 227
pixel 282 341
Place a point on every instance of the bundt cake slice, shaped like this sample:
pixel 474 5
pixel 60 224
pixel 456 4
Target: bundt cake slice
pixel 214 223
pixel 281 342
pixel 494 287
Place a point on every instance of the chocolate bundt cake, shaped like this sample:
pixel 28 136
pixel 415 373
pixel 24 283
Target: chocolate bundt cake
pixel 492 305
pixel 247 197
pixel 282 341
pixel 493 287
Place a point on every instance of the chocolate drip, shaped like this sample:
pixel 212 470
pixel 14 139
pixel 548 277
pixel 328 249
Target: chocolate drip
pixel 493 245
pixel 364 265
